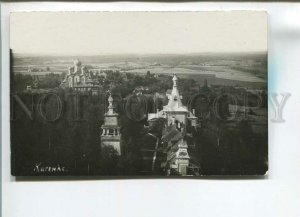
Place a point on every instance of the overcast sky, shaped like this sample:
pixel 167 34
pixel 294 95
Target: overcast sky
pixel 90 33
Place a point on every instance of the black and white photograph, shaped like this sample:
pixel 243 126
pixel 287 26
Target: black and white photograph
pixel 139 94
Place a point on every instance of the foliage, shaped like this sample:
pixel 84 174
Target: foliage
pixel 73 140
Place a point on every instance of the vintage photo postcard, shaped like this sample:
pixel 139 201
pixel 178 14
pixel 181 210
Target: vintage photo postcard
pixel 138 94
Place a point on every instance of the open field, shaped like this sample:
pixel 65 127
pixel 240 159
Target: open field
pixel 244 69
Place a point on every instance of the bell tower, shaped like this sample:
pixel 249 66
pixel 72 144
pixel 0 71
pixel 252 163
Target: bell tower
pixel 110 129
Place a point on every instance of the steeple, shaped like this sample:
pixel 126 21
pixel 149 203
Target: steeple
pixel 174 97
pixel 110 105
pixel 175 79
pixel 111 135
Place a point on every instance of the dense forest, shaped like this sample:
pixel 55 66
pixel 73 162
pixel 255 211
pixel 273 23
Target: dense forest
pixel 61 127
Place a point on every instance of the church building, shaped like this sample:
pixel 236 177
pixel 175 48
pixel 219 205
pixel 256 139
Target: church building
pixel 79 78
pixel 177 117
pixel 175 112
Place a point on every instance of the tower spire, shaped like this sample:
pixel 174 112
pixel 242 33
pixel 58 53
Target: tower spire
pixel 110 104
pixel 174 97
pixel 175 79
pixel 111 135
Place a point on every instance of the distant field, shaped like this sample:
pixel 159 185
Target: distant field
pixel 220 72
pixel 224 69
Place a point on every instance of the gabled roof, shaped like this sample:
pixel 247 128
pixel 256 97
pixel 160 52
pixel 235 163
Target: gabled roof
pixel 171 134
